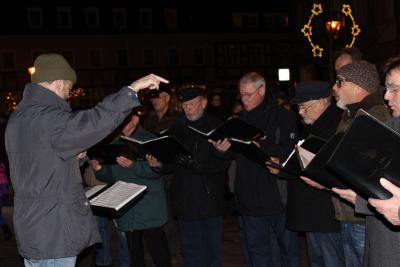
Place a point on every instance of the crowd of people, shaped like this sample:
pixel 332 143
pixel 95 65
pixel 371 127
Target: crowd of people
pixel 342 228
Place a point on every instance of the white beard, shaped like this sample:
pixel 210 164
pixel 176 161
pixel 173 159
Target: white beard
pixel 340 105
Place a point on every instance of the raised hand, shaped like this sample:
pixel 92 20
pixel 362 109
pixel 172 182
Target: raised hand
pixel 150 81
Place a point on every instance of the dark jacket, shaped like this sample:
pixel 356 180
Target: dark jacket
pixel 154 124
pixel 256 190
pixel 52 216
pixel 374 105
pixel 310 209
pixel 150 210
pixel 197 192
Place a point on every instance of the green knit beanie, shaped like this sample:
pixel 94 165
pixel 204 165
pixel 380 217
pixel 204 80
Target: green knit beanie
pixel 51 67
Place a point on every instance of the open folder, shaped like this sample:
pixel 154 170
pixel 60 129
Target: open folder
pixel 314 164
pixel 368 151
pixel 291 166
pixel 166 149
pixel 231 128
pixel 113 200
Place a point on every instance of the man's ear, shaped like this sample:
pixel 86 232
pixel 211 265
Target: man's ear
pixel 262 90
pixel 204 102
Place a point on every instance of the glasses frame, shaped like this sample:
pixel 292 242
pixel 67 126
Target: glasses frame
pixel 305 109
pixel 339 82
pixel 249 95
pixel 392 88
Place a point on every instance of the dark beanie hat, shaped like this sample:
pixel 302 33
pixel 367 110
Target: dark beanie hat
pixel 51 67
pixel 311 90
pixel 186 94
pixel 362 73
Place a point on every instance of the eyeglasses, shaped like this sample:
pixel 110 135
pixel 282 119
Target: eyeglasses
pixel 305 108
pixel 242 95
pixel 339 82
pixel 392 88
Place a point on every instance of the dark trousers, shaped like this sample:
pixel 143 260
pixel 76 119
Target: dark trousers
pixel 325 249
pixel 266 242
pixel 156 242
pixel 202 242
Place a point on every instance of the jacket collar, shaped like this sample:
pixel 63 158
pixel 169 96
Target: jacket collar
pixel 368 102
pixel 34 93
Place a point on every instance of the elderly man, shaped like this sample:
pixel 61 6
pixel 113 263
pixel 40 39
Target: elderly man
pixel 346 56
pixel 382 243
pixel 52 218
pixel 260 196
pixel 309 209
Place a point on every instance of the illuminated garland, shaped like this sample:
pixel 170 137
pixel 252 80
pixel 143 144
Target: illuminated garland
pixel 316 11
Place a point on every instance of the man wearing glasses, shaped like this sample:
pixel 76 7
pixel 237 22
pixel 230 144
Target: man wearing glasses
pixel 357 87
pixel 382 243
pixel 309 209
pixel 260 196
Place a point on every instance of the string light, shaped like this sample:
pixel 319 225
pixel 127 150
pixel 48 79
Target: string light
pixel 316 11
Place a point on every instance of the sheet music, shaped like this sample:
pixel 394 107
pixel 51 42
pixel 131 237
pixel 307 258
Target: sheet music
pixel 305 156
pixel 299 143
pixel 94 189
pixel 118 195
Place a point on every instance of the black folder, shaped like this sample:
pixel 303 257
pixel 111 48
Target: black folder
pixel 368 151
pixel 317 169
pixel 291 165
pixel 232 128
pixel 107 154
pixel 114 200
pixel 252 152
pixel 166 149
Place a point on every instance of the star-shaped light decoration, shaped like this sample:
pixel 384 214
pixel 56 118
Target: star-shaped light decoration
pixel 307 30
pixel 346 10
pixel 317 9
pixel 355 30
pixel 317 51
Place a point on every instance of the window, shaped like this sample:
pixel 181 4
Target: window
pixel 119 18
pixel 198 56
pixel 245 20
pixel 148 56
pixel 92 18
pixel 95 58
pixel 64 17
pixel 232 55
pixel 283 53
pixel 9 60
pixel 173 56
pixel 171 18
pixel 145 18
pixel 122 57
pixel 35 18
pixel 256 55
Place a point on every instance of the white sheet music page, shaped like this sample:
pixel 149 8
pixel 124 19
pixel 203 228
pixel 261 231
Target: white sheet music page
pixel 118 195
pixel 305 156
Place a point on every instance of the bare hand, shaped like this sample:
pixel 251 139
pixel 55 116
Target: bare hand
pixel 388 207
pixel 221 146
pixel 95 165
pixel 272 169
pixel 312 183
pixel 124 162
pixel 347 194
pixel 81 155
pixel 153 162
pixel 150 81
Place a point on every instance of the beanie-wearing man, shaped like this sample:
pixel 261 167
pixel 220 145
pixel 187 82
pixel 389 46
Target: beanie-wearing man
pixel 52 217
pixel 310 209
pixel 382 241
pixel 357 87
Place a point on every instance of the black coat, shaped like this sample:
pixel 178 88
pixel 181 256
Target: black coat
pixel 197 192
pixel 256 190
pixel 310 209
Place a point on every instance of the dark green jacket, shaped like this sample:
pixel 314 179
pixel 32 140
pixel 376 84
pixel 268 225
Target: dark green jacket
pixel 150 210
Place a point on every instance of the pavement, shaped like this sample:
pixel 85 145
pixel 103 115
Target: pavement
pixel 232 256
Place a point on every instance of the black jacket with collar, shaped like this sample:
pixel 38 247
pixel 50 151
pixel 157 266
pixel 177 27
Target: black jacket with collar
pixel 311 209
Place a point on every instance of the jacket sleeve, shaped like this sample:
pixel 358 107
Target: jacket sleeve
pixel 362 207
pixel 143 170
pixel 105 175
pixel 71 133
